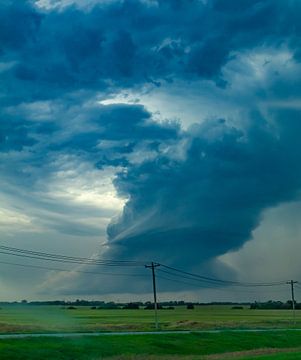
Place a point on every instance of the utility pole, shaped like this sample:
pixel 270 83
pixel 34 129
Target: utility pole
pixel 292 282
pixel 153 266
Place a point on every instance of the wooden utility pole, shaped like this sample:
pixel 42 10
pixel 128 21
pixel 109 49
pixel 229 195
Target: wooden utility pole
pixel 153 266
pixel 292 282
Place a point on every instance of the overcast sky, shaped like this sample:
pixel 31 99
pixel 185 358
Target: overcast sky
pixel 150 130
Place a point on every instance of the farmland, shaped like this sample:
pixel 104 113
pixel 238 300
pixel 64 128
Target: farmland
pixel 37 319
pixel 27 319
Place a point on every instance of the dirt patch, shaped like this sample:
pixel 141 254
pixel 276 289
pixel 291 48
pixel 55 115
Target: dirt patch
pixel 225 356
pixel 240 354
pixel 186 324
pixel 120 327
pixel 14 328
pixel 153 357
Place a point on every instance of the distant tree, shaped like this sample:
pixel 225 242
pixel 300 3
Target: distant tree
pixel 108 306
pixel 190 306
pixel 277 305
pixel 131 306
pixel 152 306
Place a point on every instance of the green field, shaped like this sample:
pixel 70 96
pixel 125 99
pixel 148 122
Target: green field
pixel 28 318
pixel 225 345
pixel 211 346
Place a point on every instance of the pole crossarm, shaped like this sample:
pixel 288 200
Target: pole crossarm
pixel 153 264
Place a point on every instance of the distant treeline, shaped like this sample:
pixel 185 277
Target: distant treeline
pixel 277 305
pixel 115 305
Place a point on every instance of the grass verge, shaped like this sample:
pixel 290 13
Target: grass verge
pixel 194 346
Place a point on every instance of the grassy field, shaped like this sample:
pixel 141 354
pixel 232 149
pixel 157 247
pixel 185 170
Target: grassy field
pixel 211 346
pixel 27 318
pixel 225 345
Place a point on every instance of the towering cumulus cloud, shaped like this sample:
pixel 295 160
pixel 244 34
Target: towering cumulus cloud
pixel 192 208
pixel 162 129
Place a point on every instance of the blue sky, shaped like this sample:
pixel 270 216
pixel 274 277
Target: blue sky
pixel 150 130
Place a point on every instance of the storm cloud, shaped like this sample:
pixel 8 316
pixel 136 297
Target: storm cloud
pixel 188 210
pixel 124 44
pixel 77 161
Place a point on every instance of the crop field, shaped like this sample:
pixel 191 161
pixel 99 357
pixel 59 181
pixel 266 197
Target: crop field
pixel 29 318
pixel 274 345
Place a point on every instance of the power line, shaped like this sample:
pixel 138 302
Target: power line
pixel 5 250
pixel 63 261
pixel 190 278
pixel 45 256
pixel 185 282
pixel 200 283
pixel 38 253
pixel 215 288
pixel 221 281
pixel 70 270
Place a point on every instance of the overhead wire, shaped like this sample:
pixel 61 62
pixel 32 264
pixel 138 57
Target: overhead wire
pixel 169 270
pixel 71 270
pixel 66 259
pixel 220 281
pixel 188 277
pixel 221 289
